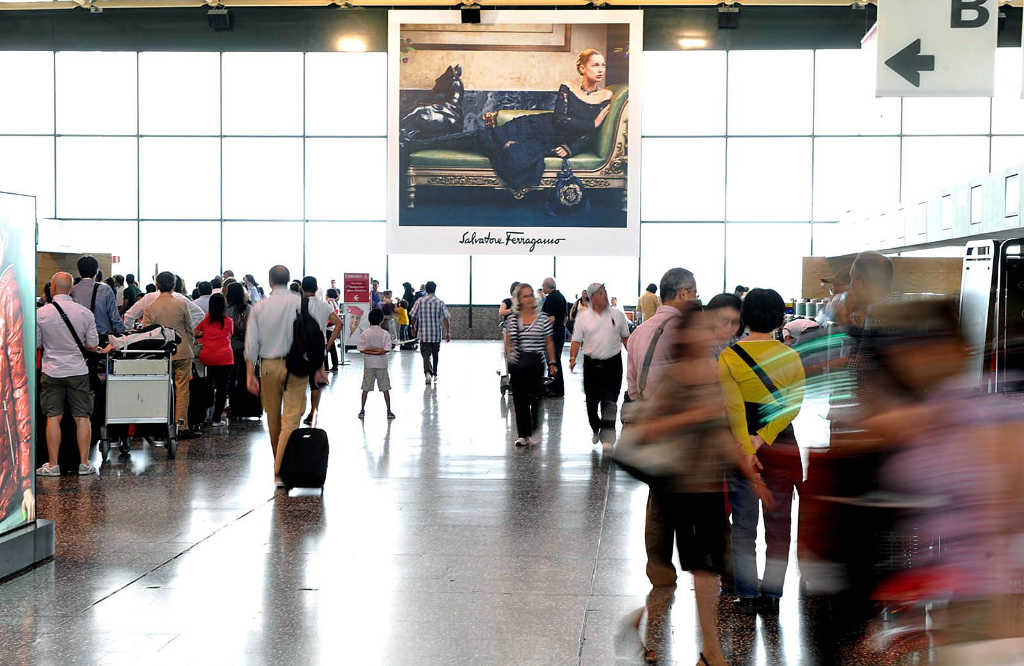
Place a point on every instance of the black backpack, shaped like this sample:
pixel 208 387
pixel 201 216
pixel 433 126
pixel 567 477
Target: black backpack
pixel 308 344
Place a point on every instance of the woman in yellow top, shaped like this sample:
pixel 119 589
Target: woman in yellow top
pixel 763 383
pixel 402 313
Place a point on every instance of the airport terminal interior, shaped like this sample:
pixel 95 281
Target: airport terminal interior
pixel 618 332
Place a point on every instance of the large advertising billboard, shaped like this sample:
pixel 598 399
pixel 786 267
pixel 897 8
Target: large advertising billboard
pixel 17 360
pixel 513 135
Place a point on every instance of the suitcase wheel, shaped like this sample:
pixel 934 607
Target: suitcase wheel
pixel 104 450
pixel 172 448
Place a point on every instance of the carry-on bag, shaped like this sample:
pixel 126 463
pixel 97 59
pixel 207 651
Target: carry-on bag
pixel 304 462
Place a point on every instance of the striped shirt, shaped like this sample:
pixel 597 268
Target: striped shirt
pixel 530 339
pixel 430 313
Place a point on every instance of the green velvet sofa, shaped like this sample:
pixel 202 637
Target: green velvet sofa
pixel 604 167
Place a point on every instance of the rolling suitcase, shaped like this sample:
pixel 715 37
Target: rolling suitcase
pixel 304 463
pixel 200 401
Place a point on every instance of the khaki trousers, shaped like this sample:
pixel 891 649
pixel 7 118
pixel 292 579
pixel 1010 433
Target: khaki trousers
pixel 659 537
pixel 182 376
pixel 284 401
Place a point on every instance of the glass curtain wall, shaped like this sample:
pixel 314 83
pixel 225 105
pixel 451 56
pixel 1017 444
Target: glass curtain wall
pixel 200 162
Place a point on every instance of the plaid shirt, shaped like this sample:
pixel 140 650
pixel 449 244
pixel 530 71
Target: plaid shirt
pixel 430 313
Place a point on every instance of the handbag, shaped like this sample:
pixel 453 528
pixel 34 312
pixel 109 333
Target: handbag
pixel 568 195
pixel 631 407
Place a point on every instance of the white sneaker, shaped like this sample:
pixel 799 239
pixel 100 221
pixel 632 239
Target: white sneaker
pixel 596 438
pixel 520 441
pixel 48 470
pixel 278 483
pixel 86 470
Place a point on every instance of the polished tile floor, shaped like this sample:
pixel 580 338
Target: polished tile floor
pixel 436 542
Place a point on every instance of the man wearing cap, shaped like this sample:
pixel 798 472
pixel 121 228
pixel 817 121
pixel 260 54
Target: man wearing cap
pixel 599 331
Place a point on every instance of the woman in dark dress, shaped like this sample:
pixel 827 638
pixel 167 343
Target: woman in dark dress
pixel 517 149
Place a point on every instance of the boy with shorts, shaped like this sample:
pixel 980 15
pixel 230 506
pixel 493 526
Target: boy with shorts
pixel 375 345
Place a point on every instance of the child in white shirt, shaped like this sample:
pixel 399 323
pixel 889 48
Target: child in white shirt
pixel 375 345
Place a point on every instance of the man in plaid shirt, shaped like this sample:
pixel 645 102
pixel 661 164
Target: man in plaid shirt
pixel 432 320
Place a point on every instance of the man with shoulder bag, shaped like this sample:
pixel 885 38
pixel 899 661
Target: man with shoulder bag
pixel 649 351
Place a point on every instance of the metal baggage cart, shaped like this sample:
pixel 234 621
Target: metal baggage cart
pixel 139 390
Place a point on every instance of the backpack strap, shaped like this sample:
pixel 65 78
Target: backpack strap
pixel 74 333
pixel 649 357
pixel 761 374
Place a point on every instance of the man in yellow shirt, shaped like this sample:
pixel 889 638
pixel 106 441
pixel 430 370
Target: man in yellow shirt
pixel 763 383
pixel 649 302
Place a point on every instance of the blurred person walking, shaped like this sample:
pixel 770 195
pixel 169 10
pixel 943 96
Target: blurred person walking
pixel 763 383
pixel 685 418
pixel 528 342
pixel 331 326
pixel 651 350
pixel 600 332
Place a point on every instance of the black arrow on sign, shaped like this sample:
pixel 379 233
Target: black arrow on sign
pixel 909 63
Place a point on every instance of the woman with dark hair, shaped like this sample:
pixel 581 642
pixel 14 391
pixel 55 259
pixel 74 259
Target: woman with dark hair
pixel 243 403
pixel 409 296
pixel 215 332
pixel 763 383
pixel 727 324
pixel 517 149
pixel 332 351
pixel 582 303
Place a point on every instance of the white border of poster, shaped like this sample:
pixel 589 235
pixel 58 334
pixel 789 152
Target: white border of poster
pixel 560 240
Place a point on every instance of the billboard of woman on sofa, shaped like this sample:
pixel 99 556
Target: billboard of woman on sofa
pixel 17 359
pixel 513 125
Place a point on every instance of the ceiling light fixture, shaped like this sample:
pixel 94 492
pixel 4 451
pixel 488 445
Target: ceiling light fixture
pixel 693 42
pixel 351 45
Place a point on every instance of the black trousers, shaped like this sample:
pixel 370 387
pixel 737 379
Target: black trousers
pixel 602 381
pixel 332 356
pixel 557 385
pixel 527 384
pixel 429 352
pixel 220 377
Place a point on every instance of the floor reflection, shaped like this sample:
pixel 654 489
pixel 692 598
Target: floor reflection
pixel 435 541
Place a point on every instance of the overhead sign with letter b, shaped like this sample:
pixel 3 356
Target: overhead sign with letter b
pixel 936 48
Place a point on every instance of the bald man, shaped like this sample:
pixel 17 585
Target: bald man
pixel 65 330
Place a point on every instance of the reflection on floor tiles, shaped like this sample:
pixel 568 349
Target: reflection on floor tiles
pixel 436 541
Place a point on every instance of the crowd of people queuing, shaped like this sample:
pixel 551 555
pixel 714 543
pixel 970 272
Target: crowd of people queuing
pixel 707 416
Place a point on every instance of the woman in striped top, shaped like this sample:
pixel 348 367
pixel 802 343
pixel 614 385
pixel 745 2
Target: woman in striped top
pixel 528 343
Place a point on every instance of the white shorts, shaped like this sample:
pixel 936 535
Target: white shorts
pixel 378 375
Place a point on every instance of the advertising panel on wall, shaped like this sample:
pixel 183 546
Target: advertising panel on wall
pixel 513 135
pixel 17 360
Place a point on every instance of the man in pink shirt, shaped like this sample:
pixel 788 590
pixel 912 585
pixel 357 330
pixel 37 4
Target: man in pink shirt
pixel 678 292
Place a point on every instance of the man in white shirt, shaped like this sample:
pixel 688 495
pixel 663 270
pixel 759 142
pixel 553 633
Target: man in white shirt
pixel 268 338
pixel 135 312
pixel 205 291
pixel 599 331
pixel 65 373
pixel 323 313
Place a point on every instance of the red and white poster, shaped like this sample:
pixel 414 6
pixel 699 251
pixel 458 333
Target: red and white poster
pixel 356 289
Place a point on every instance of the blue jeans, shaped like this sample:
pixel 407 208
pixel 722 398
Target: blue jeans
pixel 782 472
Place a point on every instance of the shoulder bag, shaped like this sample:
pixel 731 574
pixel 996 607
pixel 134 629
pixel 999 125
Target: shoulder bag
pixel 755 418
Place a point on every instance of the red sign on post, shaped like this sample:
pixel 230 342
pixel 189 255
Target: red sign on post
pixel 357 288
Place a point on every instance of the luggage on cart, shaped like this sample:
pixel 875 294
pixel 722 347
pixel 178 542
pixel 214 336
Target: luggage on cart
pixel 304 462
pixel 139 391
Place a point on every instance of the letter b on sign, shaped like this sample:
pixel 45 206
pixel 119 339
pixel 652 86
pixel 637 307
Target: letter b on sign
pixel 962 9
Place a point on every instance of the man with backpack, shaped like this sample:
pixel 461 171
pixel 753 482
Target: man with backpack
pixel 97 297
pixel 268 341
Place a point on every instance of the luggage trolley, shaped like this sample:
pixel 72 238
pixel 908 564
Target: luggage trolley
pixel 139 390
